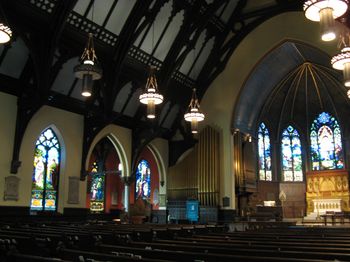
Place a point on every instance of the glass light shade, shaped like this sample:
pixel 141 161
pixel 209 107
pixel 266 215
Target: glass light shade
pixel 312 8
pixel 151 109
pixel 328 32
pixel 88 62
pixel 194 126
pixel 87 85
pixel 5 33
pixel 151 96
pixel 194 114
pixel 346 74
pixel 348 93
pixel 341 61
pixel 338 61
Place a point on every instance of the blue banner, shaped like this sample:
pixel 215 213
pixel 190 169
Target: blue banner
pixel 192 208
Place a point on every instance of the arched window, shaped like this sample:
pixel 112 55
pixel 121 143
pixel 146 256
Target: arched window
pixel 291 155
pixel 97 190
pixel 46 171
pixel 326 145
pixel 143 180
pixel 264 153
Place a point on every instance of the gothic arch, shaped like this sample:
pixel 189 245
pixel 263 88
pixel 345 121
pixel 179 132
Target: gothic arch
pixel 119 142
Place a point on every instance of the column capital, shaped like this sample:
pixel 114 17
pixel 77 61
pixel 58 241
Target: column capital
pixel 127 180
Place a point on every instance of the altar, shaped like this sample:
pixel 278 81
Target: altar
pixel 327 190
pixel 321 206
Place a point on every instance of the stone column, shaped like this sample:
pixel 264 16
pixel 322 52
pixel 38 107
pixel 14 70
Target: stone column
pixel 127 181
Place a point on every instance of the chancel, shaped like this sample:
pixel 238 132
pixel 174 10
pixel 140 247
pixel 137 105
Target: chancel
pixel 132 129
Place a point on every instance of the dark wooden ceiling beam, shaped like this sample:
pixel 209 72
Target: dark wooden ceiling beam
pixel 166 113
pixel 220 39
pixel 125 40
pixel 11 85
pixel 194 23
pixel 224 48
pixel 42 44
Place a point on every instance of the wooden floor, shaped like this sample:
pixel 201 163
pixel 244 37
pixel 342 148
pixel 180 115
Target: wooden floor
pixel 108 241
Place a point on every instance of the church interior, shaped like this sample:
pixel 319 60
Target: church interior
pixel 134 129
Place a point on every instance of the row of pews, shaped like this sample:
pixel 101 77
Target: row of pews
pixel 107 241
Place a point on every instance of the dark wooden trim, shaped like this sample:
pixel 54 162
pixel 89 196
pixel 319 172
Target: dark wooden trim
pixel 14 211
pixel 76 211
pixel 227 215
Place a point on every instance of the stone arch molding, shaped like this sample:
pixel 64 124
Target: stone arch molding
pixel 160 164
pixel 119 143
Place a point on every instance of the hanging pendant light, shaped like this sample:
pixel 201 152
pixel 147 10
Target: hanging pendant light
pixel 5 30
pixel 88 70
pixel 5 33
pixel 325 11
pixel 341 61
pixel 151 97
pixel 194 115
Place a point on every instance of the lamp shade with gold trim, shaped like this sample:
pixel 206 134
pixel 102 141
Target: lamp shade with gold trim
pixel 151 97
pixel 325 11
pixel 194 115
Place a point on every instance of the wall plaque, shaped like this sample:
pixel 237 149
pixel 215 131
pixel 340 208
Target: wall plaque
pixel 73 190
pixel 11 188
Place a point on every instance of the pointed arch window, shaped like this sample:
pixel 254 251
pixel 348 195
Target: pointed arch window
pixel 326 145
pixel 143 180
pixel 45 177
pixel 97 190
pixel 264 148
pixel 291 155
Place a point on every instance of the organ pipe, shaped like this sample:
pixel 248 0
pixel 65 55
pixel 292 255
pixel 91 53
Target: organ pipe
pixel 198 173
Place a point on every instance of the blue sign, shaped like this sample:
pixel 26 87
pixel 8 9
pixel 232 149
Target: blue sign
pixel 192 207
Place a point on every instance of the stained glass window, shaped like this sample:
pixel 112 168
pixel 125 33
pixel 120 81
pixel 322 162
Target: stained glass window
pixel 143 180
pixel 291 155
pixel 97 190
pixel 264 153
pixel 326 145
pixel 46 170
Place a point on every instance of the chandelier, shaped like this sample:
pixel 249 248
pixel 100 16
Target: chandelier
pixel 88 70
pixel 194 115
pixel 151 97
pixel 341 61
pixel 325 11
pixel 5 33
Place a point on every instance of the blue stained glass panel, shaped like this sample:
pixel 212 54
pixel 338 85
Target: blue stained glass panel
pixel 143 180
pixel 97 190
pixel 264 153
pixel 291 155
pixel 326 145
pixel 45 172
